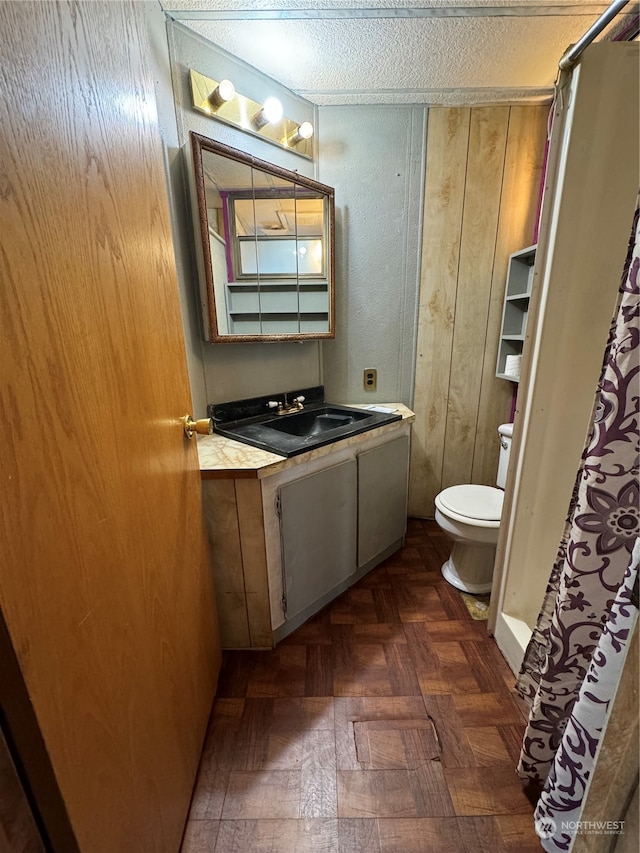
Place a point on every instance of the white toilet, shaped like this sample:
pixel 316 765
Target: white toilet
pixel 471 516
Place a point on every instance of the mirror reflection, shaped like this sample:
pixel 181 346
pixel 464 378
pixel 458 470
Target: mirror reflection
pixel 266 248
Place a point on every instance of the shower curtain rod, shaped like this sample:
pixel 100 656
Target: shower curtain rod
pixel 572 54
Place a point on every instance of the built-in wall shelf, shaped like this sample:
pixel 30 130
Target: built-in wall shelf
pixel 515 311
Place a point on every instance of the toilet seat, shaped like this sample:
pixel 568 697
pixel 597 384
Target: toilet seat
pixel 479 505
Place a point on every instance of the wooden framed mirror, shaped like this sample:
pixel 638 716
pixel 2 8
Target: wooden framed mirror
pixel 265 243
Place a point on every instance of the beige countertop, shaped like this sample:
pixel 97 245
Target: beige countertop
pixel 222 457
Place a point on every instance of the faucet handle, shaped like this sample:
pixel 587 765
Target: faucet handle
pixel 299 399
pixel 273 404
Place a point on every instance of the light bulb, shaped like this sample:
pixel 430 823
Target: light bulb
pixel 303 131
pixel 272 110
pixel 224 92
pixel 271 113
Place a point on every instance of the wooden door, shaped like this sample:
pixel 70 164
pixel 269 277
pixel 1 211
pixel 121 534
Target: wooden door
pixel 104 582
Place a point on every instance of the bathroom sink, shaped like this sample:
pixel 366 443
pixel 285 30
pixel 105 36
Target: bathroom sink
pixel 319 423
pixel 316 421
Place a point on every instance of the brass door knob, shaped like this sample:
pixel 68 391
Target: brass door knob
pixel 201 427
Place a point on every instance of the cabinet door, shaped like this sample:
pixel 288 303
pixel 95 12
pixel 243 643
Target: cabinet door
pixel 318 525
pixel 382 497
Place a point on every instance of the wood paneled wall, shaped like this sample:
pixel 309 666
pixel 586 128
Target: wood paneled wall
pixel 480 201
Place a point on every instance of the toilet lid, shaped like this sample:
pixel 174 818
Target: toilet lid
pixel 481 502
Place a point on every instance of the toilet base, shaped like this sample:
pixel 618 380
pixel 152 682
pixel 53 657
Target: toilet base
pixel 470 567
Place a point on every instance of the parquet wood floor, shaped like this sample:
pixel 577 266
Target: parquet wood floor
pixel 385 724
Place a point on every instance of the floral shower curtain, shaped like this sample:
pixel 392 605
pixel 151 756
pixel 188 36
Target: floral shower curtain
pixel 579 643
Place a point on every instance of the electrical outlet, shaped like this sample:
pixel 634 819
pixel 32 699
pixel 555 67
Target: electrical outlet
pixel 370 380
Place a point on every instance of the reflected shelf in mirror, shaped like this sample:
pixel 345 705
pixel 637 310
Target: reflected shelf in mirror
pixel 266 254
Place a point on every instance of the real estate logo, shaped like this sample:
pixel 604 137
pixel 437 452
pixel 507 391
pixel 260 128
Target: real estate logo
pixel 546 827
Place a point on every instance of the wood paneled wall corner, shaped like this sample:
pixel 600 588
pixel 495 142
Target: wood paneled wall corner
pixel 482 178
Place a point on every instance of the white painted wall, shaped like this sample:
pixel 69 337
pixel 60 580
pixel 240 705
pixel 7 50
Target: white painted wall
pixel 221 372
pixel 374 157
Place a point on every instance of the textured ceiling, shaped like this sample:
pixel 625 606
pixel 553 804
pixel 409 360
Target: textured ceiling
pixel 407 51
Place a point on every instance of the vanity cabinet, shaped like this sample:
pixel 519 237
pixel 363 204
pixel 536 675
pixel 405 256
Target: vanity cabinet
pixel 286 543
pixel 516 309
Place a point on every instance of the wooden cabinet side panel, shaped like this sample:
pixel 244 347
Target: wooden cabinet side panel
pixel 254 561
pixel 221 516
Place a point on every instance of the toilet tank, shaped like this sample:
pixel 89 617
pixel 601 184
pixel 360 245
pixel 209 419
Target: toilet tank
pixel 505 431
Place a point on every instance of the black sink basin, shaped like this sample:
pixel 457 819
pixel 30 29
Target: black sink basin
pixel 316 421
pixel 317 424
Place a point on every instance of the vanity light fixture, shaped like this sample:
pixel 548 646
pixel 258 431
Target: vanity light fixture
pixel 303 131
pixel 219 100
pixel 224 92
pixel 271 113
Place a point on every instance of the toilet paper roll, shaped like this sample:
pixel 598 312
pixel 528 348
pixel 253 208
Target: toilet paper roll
pixel 512 366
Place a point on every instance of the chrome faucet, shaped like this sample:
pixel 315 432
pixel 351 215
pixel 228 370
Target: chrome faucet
pixel 286 408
